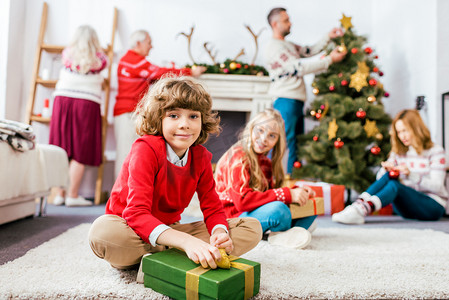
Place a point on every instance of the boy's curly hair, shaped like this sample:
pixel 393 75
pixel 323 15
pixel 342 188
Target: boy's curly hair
pixel 175 92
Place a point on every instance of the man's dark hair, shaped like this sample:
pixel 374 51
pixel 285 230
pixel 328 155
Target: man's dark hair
pixel 274 12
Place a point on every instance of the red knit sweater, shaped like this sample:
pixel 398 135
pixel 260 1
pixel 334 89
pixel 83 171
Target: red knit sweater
pixel 151 191
pixel 135 74
pixel 239 198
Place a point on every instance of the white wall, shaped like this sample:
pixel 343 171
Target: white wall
pixel 4 27
pixel 405 36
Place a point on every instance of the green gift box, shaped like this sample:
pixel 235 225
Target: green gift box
pixel 173 274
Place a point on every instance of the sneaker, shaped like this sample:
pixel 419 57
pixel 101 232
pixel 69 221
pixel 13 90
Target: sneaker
pixel 295 237
pixel 140 275
pixel 79 201
pixel 352 214
pixel 58 200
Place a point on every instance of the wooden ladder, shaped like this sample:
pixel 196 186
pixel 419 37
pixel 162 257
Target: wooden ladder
pixel 51 83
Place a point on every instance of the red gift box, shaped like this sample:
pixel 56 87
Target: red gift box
pixel 333 194
pixel 385 211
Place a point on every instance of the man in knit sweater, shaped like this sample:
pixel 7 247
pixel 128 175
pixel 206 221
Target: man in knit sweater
pixel 135 74
pixel 283 62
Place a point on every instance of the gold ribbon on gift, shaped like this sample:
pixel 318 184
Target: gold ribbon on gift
pixel 193 278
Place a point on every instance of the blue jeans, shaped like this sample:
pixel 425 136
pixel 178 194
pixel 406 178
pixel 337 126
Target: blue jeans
pixel 276 216
pixel 407 202
pixel 293 115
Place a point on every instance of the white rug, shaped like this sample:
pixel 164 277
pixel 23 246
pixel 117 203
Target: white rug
pixel 339 263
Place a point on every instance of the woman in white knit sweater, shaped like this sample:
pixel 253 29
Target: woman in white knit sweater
pixel 76 120
pixel 412 179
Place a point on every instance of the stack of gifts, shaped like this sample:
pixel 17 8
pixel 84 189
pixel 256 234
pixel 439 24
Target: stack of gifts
pixel 173 274
pixel 333 195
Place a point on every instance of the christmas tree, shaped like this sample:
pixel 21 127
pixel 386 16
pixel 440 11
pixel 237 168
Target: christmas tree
pixel 352 137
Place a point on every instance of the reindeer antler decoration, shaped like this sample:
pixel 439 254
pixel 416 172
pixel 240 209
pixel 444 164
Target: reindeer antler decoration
pixel 189 38
pixel 209 51
pixel 242 52
pixel 255 36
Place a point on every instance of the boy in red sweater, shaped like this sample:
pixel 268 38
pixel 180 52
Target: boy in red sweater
pixel 135 74
pixel 163 170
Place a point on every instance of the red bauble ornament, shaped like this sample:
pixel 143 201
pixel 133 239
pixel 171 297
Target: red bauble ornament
pixel 386 94
pixel 381 73
pixel 372 82
pixel 238 66
pixel 375 150
pixel 376 57
pixel 332 88
pixel 361 114
pixel 318 115
pixel 338 144
pixel 368 50
pixel 297 164
pixel 340 75
pixel 354 50
pixel 376 69
pixel 393 174
pixel 344 82
pixel 315 138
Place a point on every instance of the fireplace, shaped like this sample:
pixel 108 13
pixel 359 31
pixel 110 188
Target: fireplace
pixel 236 98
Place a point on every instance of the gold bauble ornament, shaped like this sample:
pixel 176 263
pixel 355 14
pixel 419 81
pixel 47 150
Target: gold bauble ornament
pixel 232 66
pixel 346 22
pixel 332 129
pixel 316 91
pixel 379 136
pixel 222 66
pixel 312 113
pixel 371 99
pixel 342 48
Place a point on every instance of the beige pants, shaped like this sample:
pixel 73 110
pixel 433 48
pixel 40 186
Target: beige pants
pixel 112 239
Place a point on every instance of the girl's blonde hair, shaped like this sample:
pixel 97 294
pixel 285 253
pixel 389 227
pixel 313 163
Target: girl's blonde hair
pixel 83 50
pixel 413 122
pixel 257 180
pixel 170 93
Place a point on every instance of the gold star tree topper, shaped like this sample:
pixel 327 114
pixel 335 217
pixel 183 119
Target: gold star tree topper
pixel 346 22
pixel 332 129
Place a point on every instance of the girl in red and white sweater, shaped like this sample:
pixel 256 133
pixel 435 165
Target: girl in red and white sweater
pixel 163 170
pixel 412 179
pixel 250 184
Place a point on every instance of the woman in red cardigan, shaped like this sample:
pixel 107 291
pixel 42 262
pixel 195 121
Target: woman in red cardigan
pixel 250 184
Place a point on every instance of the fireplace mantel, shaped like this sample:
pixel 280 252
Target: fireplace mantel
pixel 244 93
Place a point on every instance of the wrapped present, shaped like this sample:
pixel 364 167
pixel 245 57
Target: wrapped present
pixel 173 274
pixel 333 194
pixel 385 211
pixel 313 207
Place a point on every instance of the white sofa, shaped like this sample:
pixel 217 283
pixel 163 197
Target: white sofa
pixel 25 176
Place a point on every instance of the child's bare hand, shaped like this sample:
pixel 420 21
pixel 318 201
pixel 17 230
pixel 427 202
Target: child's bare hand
pixel 202 253
pixel 299 195
pixel 403 169
pixel 221 239
pixel 388 165
pixel 309 190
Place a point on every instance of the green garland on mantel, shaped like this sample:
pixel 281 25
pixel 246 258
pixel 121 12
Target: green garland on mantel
pixel 233 67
